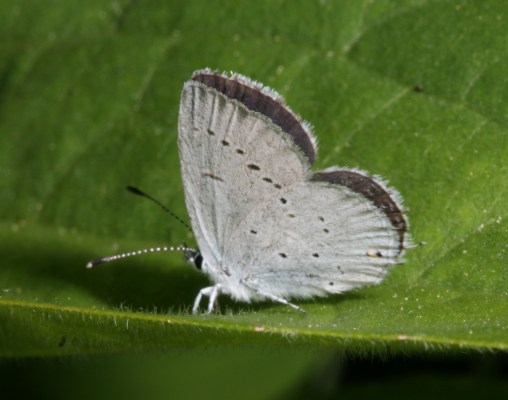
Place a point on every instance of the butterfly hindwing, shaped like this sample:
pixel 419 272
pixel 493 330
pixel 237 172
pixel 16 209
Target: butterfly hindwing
pixel 315 238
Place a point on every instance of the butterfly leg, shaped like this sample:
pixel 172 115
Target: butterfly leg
pixel 281 300
pixel 212 301
pixel 212 292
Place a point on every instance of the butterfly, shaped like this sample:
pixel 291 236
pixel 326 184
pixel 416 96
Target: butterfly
pixel 267 226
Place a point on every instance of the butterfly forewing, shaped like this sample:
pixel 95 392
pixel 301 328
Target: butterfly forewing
pixel 232 160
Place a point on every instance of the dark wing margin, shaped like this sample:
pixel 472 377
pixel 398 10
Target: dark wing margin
pixel 256 98
pixel 372 190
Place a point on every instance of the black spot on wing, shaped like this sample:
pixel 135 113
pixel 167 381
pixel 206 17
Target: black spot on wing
pixel 212 176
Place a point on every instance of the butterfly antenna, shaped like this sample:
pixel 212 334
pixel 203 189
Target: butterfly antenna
pixel 139 192
pixel 188 251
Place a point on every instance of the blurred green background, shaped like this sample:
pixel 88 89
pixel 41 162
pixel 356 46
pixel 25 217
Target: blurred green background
pixel 415 91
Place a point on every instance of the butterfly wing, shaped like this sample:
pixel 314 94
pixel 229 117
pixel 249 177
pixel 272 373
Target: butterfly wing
pixel 232 156
pixel 321 236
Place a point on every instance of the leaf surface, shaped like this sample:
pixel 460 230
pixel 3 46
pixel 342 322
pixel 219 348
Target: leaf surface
pixel 414 91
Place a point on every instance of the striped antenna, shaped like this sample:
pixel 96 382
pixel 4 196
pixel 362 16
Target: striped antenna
pixel 187 250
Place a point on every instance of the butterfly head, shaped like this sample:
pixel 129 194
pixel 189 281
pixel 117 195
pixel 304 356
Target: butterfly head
pixel 194 257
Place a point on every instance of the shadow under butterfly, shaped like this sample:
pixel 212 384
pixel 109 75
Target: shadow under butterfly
pixel 267 227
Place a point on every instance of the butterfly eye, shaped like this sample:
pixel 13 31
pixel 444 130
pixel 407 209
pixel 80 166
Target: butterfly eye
pixel 198 261
pixel 193 257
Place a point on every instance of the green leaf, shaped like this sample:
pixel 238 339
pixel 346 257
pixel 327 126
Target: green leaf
pixel 414 91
